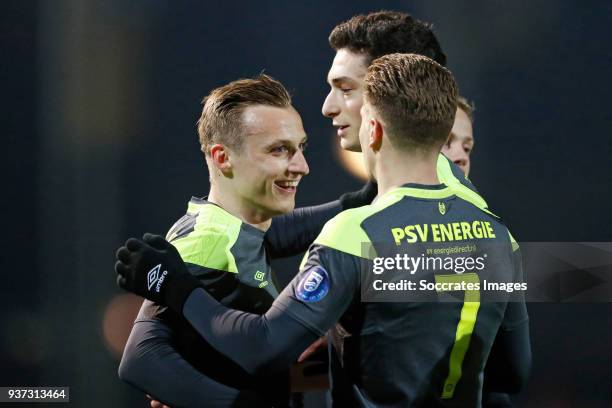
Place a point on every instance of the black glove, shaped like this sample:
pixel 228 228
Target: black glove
pixel 153 268
pixel 359 198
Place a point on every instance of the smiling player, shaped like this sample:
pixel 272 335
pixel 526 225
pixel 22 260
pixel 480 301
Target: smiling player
pixel 253 142
pixel 392 354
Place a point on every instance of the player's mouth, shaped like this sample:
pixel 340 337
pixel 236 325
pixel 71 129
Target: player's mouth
pixel 342 129
pixel 287 186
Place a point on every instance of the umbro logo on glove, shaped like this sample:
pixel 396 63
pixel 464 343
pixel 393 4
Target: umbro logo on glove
pixel 155 278
pixel 153 269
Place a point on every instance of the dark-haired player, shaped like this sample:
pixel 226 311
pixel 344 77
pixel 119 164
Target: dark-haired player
pixel 357 42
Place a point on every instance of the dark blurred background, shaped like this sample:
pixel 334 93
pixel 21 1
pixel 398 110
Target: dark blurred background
pixel 99 104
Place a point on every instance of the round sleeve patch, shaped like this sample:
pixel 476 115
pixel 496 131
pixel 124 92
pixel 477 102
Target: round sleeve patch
pixel 314 285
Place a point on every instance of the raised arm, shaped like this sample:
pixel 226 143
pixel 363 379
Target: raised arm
pixel 305 310
pixel 291 234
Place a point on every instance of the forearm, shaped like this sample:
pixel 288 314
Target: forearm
pixel 151 364
pixel 292 233
pixel 258 344
pixel 302 312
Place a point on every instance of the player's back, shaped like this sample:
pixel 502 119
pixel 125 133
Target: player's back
pixel 422 343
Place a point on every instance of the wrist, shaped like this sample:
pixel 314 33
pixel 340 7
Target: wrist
pixel 178 290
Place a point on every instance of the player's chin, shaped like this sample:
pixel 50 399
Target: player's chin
pixel 282 202
pixel 281 208
pixel 350 144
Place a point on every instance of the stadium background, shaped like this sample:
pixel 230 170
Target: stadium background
pixel 99 103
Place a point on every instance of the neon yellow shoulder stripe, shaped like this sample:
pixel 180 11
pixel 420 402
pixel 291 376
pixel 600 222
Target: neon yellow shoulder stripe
pixel 344 232
pixel 209 244
pixel 515 244
pixel 446 176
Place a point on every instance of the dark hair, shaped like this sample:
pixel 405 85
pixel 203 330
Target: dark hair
pixel 386 32
pixel 415 99
pixel 221 120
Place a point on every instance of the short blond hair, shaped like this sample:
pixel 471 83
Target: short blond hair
pixel 415 97
pixel 221 118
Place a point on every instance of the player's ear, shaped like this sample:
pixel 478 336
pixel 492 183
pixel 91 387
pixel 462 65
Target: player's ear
pixel 220 158
pixel 376 134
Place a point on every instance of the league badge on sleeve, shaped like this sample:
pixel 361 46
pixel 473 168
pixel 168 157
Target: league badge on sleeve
pixel 314 285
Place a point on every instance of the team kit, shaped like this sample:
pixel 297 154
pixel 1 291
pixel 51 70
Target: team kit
pixel 411 288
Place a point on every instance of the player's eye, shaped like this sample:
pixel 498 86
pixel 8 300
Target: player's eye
pixel 303 146
pixel 280 149
pixel 346 91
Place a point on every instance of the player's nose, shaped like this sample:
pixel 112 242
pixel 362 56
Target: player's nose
pixel 456 153
pixel 460 161
pixel 298 164
pixel 330 108
pixel 461 157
